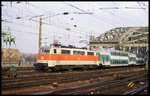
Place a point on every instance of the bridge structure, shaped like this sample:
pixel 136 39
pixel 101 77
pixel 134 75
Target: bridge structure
pixel 129 39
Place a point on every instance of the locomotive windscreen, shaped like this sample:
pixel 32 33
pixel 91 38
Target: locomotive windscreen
pixel 42 50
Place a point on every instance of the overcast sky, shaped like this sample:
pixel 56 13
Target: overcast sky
pixel 84 19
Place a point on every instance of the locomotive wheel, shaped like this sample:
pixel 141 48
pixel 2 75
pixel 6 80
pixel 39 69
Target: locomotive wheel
pixel 85 68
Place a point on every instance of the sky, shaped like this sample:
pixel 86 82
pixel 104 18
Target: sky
pixel 85 19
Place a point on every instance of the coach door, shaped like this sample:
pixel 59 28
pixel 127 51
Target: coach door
pixel 95 58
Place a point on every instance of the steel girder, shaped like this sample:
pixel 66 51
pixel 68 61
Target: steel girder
pixel 123 38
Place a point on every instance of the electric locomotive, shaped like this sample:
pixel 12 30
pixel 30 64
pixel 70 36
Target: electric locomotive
pixel 60 57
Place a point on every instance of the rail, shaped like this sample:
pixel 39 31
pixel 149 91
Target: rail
pixel 102 84
pixel 137 90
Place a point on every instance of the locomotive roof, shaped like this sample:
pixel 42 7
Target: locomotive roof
pixel 47 47
pixel 118 51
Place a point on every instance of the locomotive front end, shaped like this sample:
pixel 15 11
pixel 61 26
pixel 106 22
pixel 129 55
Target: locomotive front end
pixel 43 59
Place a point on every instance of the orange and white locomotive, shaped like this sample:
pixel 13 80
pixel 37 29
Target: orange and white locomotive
pixel 58 57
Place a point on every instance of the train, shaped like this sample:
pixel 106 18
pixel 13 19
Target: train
pixel 57 57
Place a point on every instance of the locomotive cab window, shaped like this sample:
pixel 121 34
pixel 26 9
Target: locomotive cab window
pixel 55 51
pixel 44 50
pixel 41 50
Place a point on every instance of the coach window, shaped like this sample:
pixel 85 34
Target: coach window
pixel 55 51
pixel 107 58
pixel 120 62
pixel 112 62
pixel 116 53
pixel 121 54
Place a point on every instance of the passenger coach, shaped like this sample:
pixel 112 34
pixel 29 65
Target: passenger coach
pixel 113 58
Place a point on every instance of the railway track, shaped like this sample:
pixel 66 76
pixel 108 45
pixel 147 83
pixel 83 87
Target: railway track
pixel 39 75
pixel 96 87
pixel 137 90
pixel 17 83
pixel 33 73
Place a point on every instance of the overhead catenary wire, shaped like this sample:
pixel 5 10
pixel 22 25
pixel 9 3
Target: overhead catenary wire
pixel 128 19
pixel 114 20
pixel 142 7
pixel 59 33
pixel 117 8
pixel 38 8
pixel 90 14
pixel 23 25
pixel 74 30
